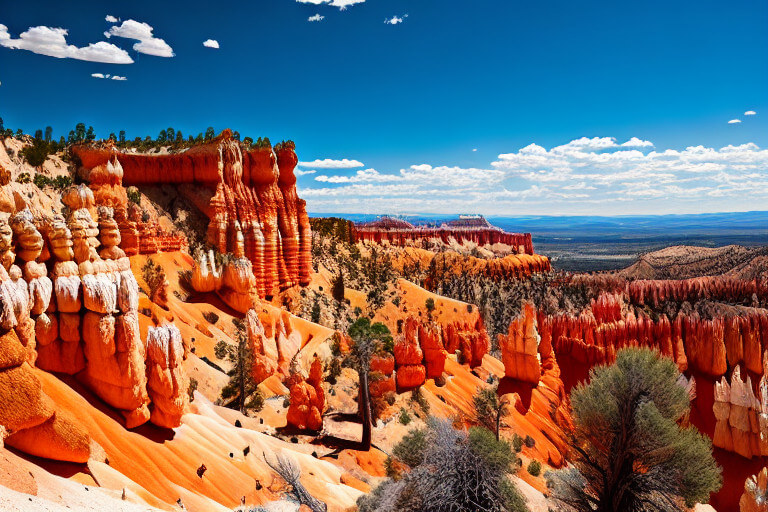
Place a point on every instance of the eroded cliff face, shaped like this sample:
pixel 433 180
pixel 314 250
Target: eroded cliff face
pixel 255 190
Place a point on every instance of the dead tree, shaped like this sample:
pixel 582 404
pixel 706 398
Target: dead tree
pixel 291 474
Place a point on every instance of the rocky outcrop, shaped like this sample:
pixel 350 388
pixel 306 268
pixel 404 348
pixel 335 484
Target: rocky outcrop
pixel 254 189
pixel 167 383
pixel 755 496
pixel 471 341
pixel 264 349
pixel 382 379
pixel 307 399
pixel 234 281
pixel 30 418
pixel 409 357
pixel 742 418
pixel 520 348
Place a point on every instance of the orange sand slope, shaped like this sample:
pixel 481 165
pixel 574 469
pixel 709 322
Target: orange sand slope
pixel 160 469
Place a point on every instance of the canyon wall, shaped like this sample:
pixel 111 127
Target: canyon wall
pixel 255 190
pixel 521 242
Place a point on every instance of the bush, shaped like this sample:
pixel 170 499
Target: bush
pixel 255 402
pixel 529 442
pixel 192 388
pixel 134 195
pixel 211 317
pixel 430 304
pixel 404 417
pixel 23 178
pixel 418 397
pixel 517 443
pixel 534 468
pixel 333 370
pixel 410 449
pixel 221 350
pixel 450 470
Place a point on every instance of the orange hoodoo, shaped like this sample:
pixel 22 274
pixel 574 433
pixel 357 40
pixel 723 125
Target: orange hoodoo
pixel 307 399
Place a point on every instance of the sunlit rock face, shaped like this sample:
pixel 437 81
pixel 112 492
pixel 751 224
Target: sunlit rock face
pixel 248 192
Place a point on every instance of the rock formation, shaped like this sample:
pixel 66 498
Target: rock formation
pixel 409 357
pixel 167 383
pixel 103 171
pixel 307 399
pixel 264 349
pixel 520 348
pixel 30 418
pixel 254 189
pixel 450 264
pixel 755 497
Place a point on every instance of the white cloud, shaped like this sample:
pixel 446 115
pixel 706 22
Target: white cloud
pixel 394 20
pixel 584 176
pixel 341 4
pixel 211 43
pixel 142 32
pixel 750 113
pixel 108 76
pixel 316 17
pixel 111 19
pixel 52 42
pixel 634 142
pixel 329 163
pixel 734 121
pixel 474 149
pixel 299 172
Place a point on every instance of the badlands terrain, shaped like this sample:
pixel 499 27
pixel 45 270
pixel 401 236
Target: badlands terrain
pixel 173 326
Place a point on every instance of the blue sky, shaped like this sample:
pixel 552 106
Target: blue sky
pixel 440 107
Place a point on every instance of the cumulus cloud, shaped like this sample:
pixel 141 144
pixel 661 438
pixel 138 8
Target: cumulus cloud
pixel 585 176
pixel 299 172
pixel 329 163
pixel 211 43
pixel 111 19
pixel 143 33
pixel 121 78
pixel 52 42
pixel 734 121
pixel 394 20
pixel 316 17
pixel 341 4
pixel 750 113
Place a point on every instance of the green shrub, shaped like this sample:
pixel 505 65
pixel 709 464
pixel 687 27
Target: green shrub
pixel 134 195
pixel 221 349
pixel 517 443
pixel 534 468
pixel 410 449
pixel 404 417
